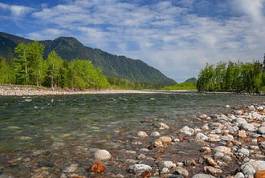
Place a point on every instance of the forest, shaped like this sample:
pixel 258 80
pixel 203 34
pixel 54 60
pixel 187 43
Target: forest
pixel 232 77
pixel 30 68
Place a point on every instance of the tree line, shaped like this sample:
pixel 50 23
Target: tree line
pixel 30 68
pixel 232 77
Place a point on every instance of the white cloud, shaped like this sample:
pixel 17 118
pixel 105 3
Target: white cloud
pixel 166 36
pixel 252 8
pixel 16 10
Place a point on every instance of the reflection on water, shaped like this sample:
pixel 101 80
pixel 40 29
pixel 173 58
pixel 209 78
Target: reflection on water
pixel 29 125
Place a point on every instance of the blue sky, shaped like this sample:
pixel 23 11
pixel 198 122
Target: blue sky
pixel 176 36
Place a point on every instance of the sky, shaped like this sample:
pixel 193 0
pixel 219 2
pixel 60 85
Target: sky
pixel 178 37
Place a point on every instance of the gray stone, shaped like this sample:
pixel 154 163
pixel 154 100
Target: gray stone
pixel 182 171
pixel 139 168
pixel 201 137
pixel 155 134
pixel 202 176
pixel 261 130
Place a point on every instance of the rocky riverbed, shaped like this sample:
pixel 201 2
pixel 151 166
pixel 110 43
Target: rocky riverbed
pixel 221 145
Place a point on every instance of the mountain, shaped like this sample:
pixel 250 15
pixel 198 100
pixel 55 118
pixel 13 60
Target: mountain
pixel 70 48
pixel 191 80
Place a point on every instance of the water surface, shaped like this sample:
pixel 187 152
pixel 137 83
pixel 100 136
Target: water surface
pixel 67 125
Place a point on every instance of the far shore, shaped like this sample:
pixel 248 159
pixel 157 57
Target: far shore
pixel 28 90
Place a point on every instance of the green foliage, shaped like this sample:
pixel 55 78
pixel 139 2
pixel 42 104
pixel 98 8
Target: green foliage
pixel 29 65
pixel 181 86
pixel 82 74
pixel 54 70
pixel 7 74
pixel 234 77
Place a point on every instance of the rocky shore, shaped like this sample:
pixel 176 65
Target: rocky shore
pixel 230 145
pixel 20 90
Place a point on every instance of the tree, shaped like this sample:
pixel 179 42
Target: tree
pixel 21 65
pixel 82 74
pixel 54 65
pixel 37 65
pixel 7 75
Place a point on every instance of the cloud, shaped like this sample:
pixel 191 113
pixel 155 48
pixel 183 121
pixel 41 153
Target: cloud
pixel 16 10
pixel 252 8
pixel 50 32
pixel 168 36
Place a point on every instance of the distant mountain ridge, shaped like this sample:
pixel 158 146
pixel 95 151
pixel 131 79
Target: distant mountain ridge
pixel 70 48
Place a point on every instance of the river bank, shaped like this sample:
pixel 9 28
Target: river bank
pixel 20 90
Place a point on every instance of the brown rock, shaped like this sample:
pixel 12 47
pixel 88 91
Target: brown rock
pixel 98 167
pixel 212 170
pixel 260 174
pixel 146 174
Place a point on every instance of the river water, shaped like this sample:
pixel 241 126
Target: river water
pixel 55 131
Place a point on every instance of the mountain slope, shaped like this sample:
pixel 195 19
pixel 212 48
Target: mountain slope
pixel 70 48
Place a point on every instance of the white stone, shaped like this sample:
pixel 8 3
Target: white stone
pixel 142 134
pixel 169 164
pixel 203 116
pixel 102 155
pixel 187 131
pixel 251 108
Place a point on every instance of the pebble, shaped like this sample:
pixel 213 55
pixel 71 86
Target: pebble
pixel 169 164
pixel 202 176
pixel 163 126
pixel 142 134
pixel 155 134
pixel 72 168
pixel 102 155
pixel 139 168
pixel 239 175
pixel 187 131
pixel 242 134
pixel 201 137
pixel 182 171
pixel 212 170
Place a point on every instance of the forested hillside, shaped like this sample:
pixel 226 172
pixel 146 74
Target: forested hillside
pixel 113 66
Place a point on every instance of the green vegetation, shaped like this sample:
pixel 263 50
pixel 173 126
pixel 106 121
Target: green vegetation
pixel 30 68
pixel 181 86
pixel 232 77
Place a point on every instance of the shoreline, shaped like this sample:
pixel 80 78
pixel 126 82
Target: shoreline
pixel 20 90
